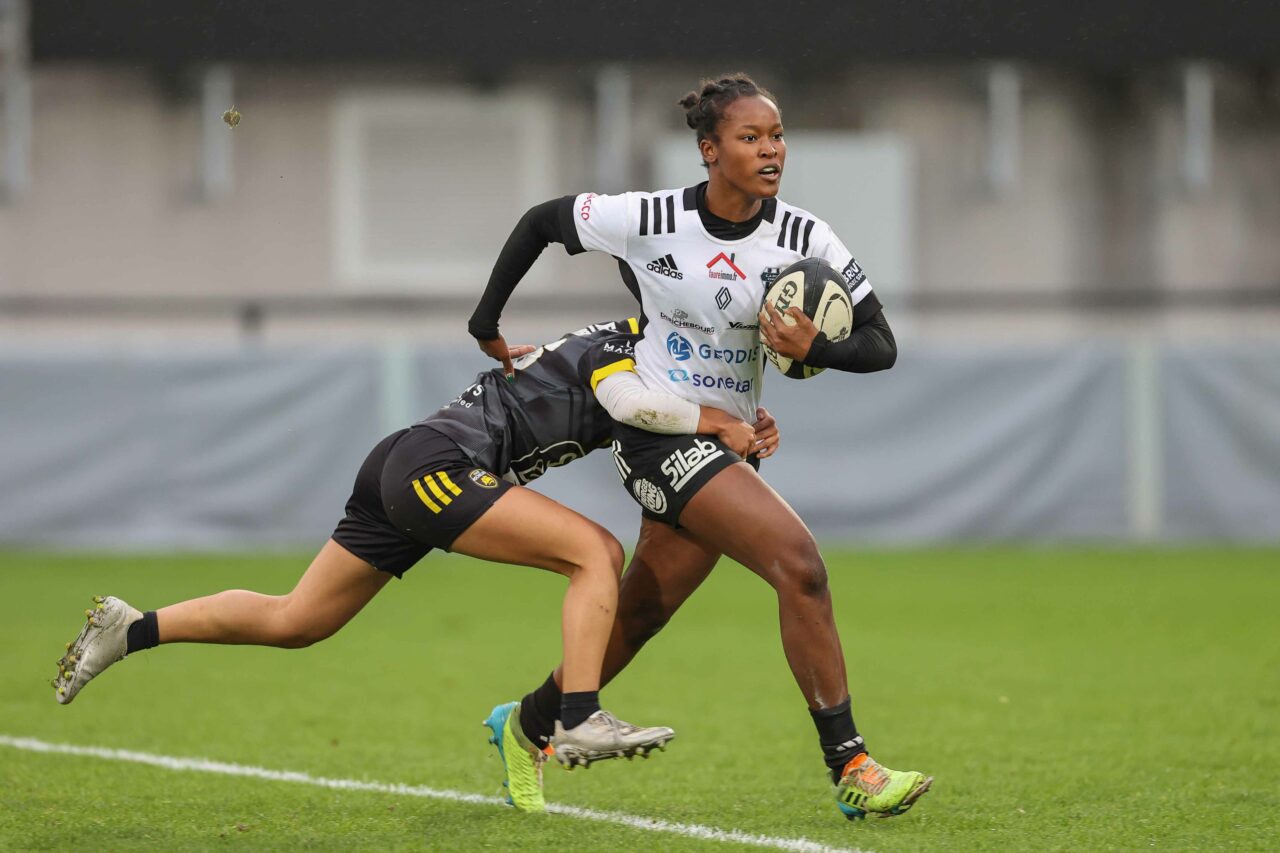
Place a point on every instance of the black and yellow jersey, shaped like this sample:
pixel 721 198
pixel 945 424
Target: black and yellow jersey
pixel 547 416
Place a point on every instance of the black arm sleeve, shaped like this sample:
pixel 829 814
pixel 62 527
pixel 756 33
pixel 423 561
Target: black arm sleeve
pixel 549 222
pixel 869 348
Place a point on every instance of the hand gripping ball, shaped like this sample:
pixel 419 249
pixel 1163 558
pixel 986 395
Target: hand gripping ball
pixel 817 289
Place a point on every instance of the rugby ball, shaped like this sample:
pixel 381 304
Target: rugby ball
pixel 817 289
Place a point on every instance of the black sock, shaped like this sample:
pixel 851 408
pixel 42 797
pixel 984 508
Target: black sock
pixel 143 634
pixel 838 735
pixel 576 707
pixel 539 711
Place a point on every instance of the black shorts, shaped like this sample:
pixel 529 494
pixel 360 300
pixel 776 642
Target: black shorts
pixel 662 472
pixel 417 490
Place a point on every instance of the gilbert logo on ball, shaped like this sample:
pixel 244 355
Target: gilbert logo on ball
pixel 819 290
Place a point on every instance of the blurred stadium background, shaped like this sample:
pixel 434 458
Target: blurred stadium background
pixel 1070 212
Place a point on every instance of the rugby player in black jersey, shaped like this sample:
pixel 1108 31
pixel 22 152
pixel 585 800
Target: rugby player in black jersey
pixel 699 259
pixel 432 486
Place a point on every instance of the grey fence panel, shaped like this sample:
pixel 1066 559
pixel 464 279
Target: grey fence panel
pixel 259 448
pixel 956 443
pixel 77 436
pixel 1222 442
pixel 159 450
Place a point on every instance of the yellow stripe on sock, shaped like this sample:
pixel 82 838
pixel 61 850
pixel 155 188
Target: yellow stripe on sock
pixel 635 325
pixel 448 484
pixel 436 490
pixel 422 496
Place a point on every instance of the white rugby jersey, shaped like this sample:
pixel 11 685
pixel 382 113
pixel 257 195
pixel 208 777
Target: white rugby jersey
pixel 700 294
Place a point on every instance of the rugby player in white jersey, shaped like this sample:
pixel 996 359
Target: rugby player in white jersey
pixel 699 260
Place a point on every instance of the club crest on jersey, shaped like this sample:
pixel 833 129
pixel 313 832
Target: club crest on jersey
pixel 680 319
pixel 683 465
pixel 853 274
pixel 666 265
pixel 649 495
pixel 722 266
pixel 770 275
pixel 679 347
pixel 483 479
pixel 723 298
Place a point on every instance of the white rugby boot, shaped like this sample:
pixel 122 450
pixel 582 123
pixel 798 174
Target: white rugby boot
pixel 101 642
pixel 602 736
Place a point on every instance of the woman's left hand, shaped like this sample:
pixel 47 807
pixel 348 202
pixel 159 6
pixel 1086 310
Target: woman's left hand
pixel 498 349
pixel 793 341
pixel 767 435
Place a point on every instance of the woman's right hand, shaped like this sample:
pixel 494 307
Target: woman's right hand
pixel 767 435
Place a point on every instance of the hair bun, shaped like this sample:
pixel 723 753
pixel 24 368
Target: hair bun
pixel 704 106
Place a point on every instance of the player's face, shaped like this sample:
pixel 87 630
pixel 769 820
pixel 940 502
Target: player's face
pixel 749 151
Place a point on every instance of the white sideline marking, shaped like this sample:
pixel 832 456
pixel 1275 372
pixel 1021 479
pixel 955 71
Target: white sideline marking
pixel 204 765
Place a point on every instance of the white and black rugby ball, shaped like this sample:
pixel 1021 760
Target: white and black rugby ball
pixel 817 289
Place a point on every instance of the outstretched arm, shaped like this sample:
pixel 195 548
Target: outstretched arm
pixel 539 226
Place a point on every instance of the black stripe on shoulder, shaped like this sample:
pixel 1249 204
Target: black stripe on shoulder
pixel 644 217
pixel 770 208
pixel 808 229
pixel 794 241
pixel 657 215
pixel 690 200
pixel 671 214
pixel 629 278
pixel 569 225
pixel 782 229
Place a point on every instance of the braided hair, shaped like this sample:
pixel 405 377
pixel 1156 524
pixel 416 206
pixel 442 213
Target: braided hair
pixel 704 107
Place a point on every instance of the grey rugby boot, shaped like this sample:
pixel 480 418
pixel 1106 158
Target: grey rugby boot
pixel 100 643
pixel 602 736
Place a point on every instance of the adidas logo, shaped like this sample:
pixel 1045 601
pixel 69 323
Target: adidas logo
pixel 666 266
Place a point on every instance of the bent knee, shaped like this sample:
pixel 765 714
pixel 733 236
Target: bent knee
pixel 803 571
pixel 614 552
pixel 596 550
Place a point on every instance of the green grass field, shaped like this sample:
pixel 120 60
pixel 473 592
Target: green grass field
pixel 1063 699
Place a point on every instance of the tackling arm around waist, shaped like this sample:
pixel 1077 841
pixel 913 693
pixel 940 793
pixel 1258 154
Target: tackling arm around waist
pixel 629 401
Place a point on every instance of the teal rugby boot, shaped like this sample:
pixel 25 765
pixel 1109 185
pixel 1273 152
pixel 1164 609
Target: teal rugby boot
pixel 521 760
